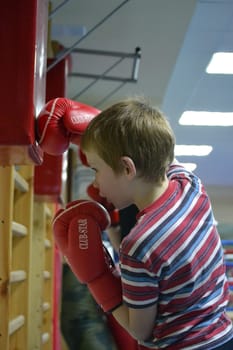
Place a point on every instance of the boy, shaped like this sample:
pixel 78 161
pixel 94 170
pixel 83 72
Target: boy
pixel 174 286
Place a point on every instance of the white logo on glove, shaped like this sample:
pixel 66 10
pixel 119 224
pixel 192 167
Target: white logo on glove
pixel 83 236
pixel 79 117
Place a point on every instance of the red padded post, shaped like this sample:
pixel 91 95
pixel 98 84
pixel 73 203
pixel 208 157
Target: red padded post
pixel 48 179
pixel 56 80
pixel 23 41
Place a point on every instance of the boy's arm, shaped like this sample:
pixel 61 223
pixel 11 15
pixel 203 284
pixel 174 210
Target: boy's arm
pixel 138 322
pixel 77 232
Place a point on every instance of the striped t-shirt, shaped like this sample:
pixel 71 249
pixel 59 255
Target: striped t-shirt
pixel 173 257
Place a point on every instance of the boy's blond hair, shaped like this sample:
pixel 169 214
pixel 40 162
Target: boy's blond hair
pixel 135 129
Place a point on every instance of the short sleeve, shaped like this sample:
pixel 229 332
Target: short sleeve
pixel 139 285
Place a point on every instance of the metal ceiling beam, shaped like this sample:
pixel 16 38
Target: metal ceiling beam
pixel 136 56
pixel 65 53
pixel 53 12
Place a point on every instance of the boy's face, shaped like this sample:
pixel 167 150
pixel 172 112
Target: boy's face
pixel 114 187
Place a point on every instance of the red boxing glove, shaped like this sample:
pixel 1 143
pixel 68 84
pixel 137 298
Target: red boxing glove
pixel 77 231
pixel 93 193
pixel 62 121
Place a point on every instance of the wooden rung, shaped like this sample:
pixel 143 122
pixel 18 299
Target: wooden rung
pixel 47 243
pixel 19 230
pixel 20 183
pixel 16 323
pixel 45 337
pixel 17 276
pixel 46 306
pixel 48 212
pixel 46 275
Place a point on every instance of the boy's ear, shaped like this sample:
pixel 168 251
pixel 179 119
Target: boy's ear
pixel 128 166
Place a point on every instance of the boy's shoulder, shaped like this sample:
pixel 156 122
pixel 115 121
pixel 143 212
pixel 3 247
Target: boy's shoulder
pixel 178 170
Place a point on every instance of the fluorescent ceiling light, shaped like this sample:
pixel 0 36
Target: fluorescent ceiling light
pixel 204 118
pixel 193 150
pixel 189 166
pixel 221 63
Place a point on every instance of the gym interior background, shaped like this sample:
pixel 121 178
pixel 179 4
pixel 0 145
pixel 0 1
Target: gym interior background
pixel 98 52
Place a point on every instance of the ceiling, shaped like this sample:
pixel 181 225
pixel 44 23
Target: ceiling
pixel 177 39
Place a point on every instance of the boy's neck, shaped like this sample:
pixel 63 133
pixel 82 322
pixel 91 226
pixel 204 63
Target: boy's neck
pixel 149 193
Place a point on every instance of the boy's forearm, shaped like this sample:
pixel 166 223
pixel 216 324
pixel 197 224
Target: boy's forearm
pixel 121 314
pixel 131 320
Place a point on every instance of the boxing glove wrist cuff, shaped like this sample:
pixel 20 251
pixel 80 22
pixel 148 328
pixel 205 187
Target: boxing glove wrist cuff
pixel 107 291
